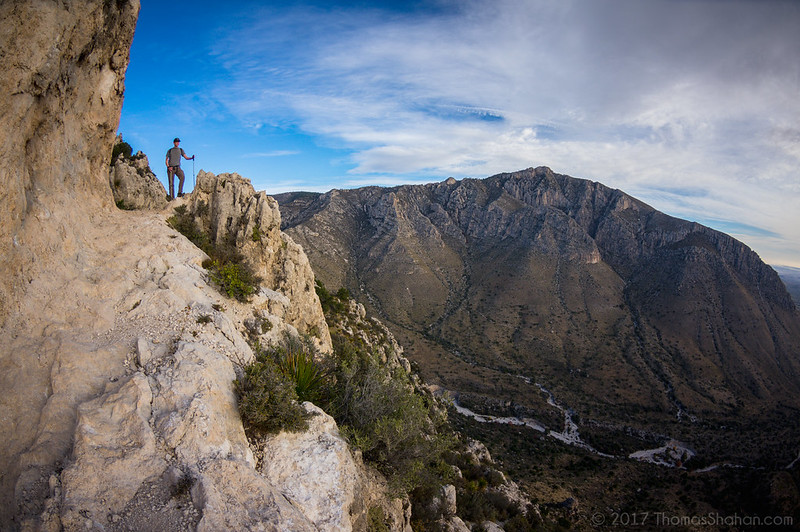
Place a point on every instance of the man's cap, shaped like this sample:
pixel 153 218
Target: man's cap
pixel 176 139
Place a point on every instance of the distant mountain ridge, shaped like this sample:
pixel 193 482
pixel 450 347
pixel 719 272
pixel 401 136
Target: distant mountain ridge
pixel 619 309
pixel 791 278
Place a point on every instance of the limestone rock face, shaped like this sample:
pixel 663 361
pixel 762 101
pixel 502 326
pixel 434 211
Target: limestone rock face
pixel 250 504
pixel 134 184
pixel 229 209
pixel 318 461
pixel 63 80
pixel 318 473
pixel 453 524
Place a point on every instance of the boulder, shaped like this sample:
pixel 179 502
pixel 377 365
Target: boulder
pixel 250 503
pixel 134 184
pixel 315 470
pixel 453 524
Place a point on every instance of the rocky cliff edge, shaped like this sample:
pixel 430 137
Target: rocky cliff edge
pixel 117 407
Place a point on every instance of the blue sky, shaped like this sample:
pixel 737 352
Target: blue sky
pixel 690 106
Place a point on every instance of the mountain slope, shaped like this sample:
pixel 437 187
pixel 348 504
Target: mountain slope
pixel 624 313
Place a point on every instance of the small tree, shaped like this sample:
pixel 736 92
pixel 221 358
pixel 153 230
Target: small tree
pixel 121 148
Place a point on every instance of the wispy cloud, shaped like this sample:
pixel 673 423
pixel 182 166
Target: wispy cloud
pixel 656 98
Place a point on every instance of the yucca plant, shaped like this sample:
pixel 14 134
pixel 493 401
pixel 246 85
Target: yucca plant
pixel 294 360
pixel 301 368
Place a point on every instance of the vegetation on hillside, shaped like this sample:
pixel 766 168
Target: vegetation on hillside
pixel 382 410
pixel 226 266
pixel 402 429
pixel 380 407
pixel 268 399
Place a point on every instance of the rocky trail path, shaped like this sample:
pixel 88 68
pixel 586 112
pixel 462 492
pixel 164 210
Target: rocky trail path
pixel 119 402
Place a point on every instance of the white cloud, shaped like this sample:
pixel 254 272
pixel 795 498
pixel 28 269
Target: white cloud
pixel 644 96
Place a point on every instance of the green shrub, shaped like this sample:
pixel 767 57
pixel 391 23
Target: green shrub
pixel 226 265
pixel 379 412
pixel 520 523
pixel 332 305
pixel 121 148
pixel 267 401
pixel 235 279
pixel 306 374
pixel 256 236
pixel 295 360
pixel 343 294
pixel 376 521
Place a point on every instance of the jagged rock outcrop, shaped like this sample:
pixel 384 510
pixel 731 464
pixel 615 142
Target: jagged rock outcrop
pixel 118 353
pixel 134 184
pixel 621 311
pixel 315 461
pixel 228 209
pixel 353 322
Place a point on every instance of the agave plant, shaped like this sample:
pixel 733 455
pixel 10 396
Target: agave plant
pixel 296 362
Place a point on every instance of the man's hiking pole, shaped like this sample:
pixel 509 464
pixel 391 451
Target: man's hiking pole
pixel 193 180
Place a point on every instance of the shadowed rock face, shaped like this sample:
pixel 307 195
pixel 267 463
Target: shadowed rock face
pixel 62 86
pixel 622 311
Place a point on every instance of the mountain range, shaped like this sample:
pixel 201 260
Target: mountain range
pixel 633 318
pixel 791 278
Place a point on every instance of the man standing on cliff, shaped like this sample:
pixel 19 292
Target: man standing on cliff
pixel 173 163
